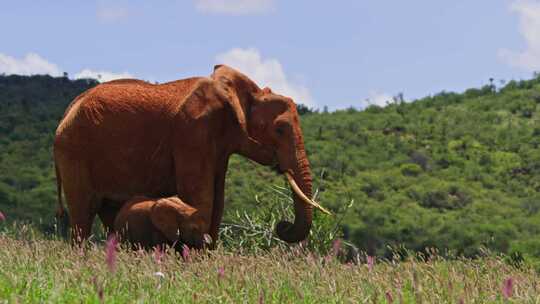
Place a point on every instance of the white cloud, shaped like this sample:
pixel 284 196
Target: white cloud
pixel 31 64
pixel 529 28
pixel 234 7
pixel 265 72
pixel 101 76
pixel 377 98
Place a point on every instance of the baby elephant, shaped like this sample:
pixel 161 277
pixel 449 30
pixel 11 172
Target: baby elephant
pixel 149 222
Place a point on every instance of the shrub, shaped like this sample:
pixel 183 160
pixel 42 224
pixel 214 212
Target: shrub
pixel 531 205
pixel 440 196
pixel 254 231
pixel 410 169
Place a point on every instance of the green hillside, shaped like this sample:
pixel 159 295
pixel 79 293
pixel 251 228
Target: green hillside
pixel 452 171
pixel 30 108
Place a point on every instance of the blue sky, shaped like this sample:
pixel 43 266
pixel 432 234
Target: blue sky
pixel 334 53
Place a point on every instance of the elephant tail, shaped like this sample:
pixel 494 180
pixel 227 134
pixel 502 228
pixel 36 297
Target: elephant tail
pixel 60 211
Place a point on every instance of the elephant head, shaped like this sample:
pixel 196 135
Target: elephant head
pixel 177 221
pixel 271 135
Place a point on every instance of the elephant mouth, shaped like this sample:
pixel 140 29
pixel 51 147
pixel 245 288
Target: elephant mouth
pixel 276 168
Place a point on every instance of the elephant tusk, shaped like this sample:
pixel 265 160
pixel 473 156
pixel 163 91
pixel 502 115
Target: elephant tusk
pixel 301 194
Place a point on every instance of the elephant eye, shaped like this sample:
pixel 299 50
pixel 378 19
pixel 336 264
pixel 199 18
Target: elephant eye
pixel 280 131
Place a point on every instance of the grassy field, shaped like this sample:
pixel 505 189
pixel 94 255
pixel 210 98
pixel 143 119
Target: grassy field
pixel 38 270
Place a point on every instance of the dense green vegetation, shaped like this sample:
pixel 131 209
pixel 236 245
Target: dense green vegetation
pixel 30 108
pixel 450 171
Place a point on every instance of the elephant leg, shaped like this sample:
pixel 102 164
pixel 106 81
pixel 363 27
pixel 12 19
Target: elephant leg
pixel 195 178
pixel 199 195
pixel 81 214
pixel 217 215
pixel 107 214
pixel 219 201
pixel 80 198
pixel 196 164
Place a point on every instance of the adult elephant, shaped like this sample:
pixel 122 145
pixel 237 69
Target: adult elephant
pixel 129 137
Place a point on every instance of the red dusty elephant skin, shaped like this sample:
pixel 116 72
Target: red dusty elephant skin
pixel 128 137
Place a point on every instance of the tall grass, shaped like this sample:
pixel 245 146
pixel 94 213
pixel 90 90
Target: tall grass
pixel 38 270
pixel 251 265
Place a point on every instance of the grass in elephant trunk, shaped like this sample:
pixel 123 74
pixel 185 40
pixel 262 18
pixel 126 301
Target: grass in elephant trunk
pixel 254 232
pixel 35 269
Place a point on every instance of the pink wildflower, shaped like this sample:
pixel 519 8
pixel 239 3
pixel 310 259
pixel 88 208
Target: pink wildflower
pixel 310 257
pixel 112 243
pixel 220 273
pixel 185 253
pixel 207 239
pixel 336 246
pixel 507 289
pixel 389 297
pixel 158 254
pixel 327 258
pixel 2 216
pixel 370 262
pixel 261 297
pixel 99 289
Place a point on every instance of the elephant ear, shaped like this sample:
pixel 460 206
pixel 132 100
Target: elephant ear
pixel 231 97
pixel 167 214
pixel 239 90
pixel 164 218
pixel 201 101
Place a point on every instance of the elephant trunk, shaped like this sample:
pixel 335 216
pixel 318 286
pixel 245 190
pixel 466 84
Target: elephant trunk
pixel 303 212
